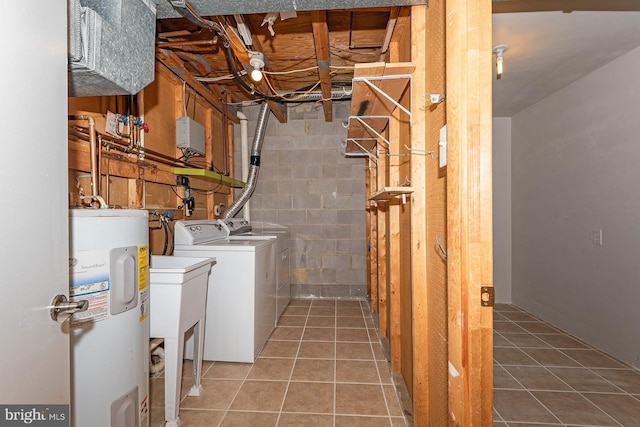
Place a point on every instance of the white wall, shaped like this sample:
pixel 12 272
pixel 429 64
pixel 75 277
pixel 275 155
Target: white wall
pixel 575 168
pixel 502 209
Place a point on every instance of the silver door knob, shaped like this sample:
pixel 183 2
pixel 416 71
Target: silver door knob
pixel 62 308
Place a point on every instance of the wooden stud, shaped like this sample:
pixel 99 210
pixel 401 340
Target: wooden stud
pixel 469 219
pixel 321 42
pixel 420 320
pixel 383 282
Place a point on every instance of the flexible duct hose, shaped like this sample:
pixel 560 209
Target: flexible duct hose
pixel 252 179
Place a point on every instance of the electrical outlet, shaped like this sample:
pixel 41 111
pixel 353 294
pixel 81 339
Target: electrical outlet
pixel 596 236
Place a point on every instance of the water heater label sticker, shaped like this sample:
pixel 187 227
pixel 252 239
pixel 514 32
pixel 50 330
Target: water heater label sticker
pixel 143 267
pixel 144 304
pixel 89 280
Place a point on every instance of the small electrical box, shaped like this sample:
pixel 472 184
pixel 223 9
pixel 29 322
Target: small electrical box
pixel 190 135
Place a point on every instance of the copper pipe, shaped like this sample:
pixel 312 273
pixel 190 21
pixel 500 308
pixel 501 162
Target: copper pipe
pixel 93 153
pixel 187 43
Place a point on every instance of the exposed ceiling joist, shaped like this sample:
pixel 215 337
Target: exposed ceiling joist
pixel 321 41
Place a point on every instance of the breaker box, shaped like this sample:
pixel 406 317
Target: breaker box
pixel 190 135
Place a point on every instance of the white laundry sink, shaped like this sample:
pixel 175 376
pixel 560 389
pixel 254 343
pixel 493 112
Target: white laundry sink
pixel 177 300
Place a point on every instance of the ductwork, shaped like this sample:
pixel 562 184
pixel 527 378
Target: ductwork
pixel 256 149
pixel 226 7
pixel 111 46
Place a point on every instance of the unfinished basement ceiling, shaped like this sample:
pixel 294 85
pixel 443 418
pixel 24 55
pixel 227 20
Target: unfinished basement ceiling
pixel 551 44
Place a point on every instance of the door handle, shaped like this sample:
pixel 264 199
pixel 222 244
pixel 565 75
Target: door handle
pixel 62 308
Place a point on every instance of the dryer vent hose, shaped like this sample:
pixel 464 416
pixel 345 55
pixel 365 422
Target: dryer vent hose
pixel 252 178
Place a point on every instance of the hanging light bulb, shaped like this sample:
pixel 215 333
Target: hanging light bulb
pixel 499 50
pixel 257 63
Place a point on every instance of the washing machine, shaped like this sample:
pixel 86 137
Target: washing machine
pixel 241 228
pixel 109 267
pixel 241 300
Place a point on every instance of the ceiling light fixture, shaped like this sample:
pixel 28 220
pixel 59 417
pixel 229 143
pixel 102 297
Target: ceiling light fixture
pixel 256 60
pixel 499 50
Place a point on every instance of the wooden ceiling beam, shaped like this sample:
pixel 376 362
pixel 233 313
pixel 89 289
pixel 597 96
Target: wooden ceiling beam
pixel 321 42
pixel 170 60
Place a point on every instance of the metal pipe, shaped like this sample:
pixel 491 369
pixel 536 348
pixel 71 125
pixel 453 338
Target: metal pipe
pixel 93 154
pixel 256 149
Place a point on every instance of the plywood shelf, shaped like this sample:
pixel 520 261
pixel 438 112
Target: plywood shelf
pixel 371 107
pixel 390 192
pixel 209 176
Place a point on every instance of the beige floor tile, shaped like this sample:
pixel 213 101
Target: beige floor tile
pixel 512 356
pixel 216 394
pixel 292 320
pixel 250 419
pixel 322 311
pixel 316 350
pixel 321 322
pixel 549 357
pixel 537 378
pixel 519 316
pixel 324 303
pixel 592 359
pixel 627 379
pixel 393 402
pixel 313 370
pixel 352 303
pixel 538 328
pixel 300 302
pixel 352 335
pixel 349 311
pixel 357 371
pixel 362 421
pixel 259 396
pixel 623 408
pixel 571 408
pixel 385 372
pixel 561 341
pixel 583 379
pixel 360 399
pixel 309 397
pixel 500 341
pixel 525 340
pixel 350 322
pixel 305 420
pixel 378 351
pixel 319 334
pixel 294 310
pixel 228 370
pixel 287 333
pixel 354 351
pixel 398 422
pixel 187 368
pixel 519 405
pixel 503 379
pixel 271 369
pixel 280 349
pixel 200 417
pixel 507 326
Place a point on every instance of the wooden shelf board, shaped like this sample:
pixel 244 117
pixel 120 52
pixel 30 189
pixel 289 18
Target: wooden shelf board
pixel 390 192
pixel 366 101
pixel 209 176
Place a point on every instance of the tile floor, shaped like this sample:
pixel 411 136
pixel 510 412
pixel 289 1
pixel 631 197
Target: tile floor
pixel 545 377
pixel 323 366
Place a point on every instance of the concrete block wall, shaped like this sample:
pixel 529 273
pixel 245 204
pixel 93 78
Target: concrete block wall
pixel 305 183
